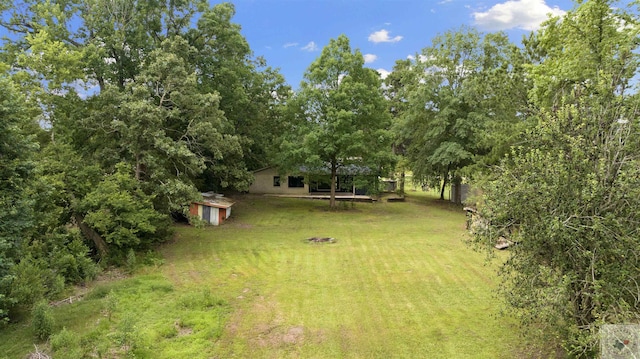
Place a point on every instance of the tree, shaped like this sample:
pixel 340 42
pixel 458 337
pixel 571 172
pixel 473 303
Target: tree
pixel 339 116
pixel 169 88
pixel 121 212
pixel 569 194
pixel 465 87
pixel 16 151
pixel 97 46
pixel 397 91
pixel 252 94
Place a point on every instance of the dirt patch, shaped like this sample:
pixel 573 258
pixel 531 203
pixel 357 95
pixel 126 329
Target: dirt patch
pixel 294 335
pixel 184 331
pixel 273 336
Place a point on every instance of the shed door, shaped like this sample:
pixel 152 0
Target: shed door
pixel 221 215
pixel 206 213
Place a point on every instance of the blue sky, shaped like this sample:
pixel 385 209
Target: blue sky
pixel 291 33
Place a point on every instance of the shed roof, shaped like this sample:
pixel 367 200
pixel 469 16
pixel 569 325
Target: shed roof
pixel 216 200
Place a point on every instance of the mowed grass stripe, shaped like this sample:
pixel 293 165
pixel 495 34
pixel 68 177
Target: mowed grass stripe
pixel 398 283
pixel 388 287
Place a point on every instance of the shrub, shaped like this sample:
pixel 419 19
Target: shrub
pixel 42 321
pixel 111 304
pixel 64 340
pixel 127 334
pixel 131 260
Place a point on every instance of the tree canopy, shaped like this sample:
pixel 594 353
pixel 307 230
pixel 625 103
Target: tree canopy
pixel 339 117
pixel 114 114
pixel 568 195
pixel 137 106
pixel 464 102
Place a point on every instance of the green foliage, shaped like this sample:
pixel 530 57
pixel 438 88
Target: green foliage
pixel 16 216
pixel 569 198
pixel 339 118
pixel 42 321
pixel 397 90
pixel 127 334
pixel 121 212
pixel 156 110
pixel 200 300
pixel 466 100
pixel 66 344
pixel 111 304
pixel 131 261
pixel 252 96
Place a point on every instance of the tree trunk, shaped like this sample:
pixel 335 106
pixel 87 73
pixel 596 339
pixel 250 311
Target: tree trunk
pixel 444 185
pixel 138 167
pixel 332 197
pixel 402 176
pixel 91 234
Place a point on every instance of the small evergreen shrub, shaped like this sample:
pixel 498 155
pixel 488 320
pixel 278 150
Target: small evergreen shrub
pixel 42 321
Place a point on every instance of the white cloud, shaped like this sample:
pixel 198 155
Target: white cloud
pixel 369 58
pixel 421 58
pixel 290 44
pixel 383 36
pixel 383 73
pixel 311 46
pixel 521 14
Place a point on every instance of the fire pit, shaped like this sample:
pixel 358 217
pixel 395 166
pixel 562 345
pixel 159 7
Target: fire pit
pixel 321 240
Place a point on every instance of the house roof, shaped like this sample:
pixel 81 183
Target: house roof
pixel 350 169
pixel 263 169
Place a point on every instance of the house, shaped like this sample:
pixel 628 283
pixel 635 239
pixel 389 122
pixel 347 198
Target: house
pixel 213 208
pixel 351 180
pixel 268 181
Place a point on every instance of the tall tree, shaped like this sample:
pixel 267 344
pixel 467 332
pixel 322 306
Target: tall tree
pixel 568 195
pixel 460 93
pixel 397 87
pixel 169 88
pixel 252 94
pixel 16 216
pixel 339 116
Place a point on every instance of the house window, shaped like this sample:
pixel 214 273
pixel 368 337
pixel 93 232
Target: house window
pixel 276 181
pixel 296 181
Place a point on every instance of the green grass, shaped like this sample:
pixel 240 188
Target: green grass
pixel 399 282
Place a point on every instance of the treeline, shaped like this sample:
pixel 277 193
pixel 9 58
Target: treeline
pixel 115 113
pixel 548 133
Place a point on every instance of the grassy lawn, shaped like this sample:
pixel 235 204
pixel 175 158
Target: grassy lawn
pixel 399 282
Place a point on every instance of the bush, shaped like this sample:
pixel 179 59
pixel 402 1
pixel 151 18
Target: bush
pixel 127 334
pixel 42 321
pixel 111 304
pixel 30 282
pixel 64 340
pixel 131 261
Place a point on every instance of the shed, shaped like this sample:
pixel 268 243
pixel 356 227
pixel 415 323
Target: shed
pixel 213 209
